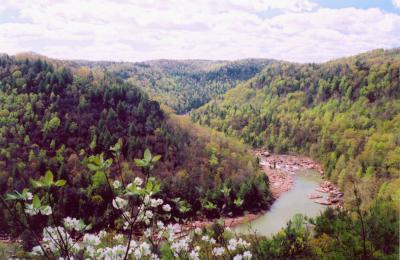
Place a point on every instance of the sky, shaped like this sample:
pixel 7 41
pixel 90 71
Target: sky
pixel 138 30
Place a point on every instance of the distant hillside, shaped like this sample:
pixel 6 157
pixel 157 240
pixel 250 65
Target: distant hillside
pixel 187 84
pixel 346 113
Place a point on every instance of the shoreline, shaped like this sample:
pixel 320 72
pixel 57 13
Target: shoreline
pixel 281 169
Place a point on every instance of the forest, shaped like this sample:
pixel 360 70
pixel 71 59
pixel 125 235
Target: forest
pixel 187 84
pixel 54 118
pixel 98 160
pixel 344 113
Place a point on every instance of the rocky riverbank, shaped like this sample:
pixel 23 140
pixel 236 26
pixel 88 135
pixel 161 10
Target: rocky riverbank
pixel 228 222
pixel 280 170
pixel 335 197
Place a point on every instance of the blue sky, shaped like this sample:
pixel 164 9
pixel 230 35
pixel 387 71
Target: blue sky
pixel 137 30
pixel 386 5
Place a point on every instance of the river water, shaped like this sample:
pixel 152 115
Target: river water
pixel 287 205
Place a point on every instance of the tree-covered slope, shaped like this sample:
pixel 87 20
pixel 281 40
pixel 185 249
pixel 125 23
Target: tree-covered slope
pixel 346 113
pixel 184 85
pixel 53 117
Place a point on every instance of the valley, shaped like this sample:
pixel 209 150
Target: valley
pixel 286 155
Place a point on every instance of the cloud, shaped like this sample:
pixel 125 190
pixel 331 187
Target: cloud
pixel 132 30
pixel 396 3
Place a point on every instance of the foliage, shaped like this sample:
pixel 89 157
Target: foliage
pixel 185 85
pixel 143 234
pixel 344 113
pixel 64 118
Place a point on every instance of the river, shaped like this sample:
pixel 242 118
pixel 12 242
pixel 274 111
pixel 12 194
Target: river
pixel 287 205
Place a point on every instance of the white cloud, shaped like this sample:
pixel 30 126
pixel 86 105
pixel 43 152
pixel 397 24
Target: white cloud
pixel 396 3
pixel 298 30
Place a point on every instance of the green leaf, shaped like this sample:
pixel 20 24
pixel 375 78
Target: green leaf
pixel 156 158
pixel 92 167
pixel 140 163
pixel 95 159
pixel 166 252
pixel 99 179
pixel 209 205
pixel 238 202
pixel 156 188
pixel 60 183
pixel 107 163
pixel 116 149
pixel 149 186
pixel 10 196
pixel 48 178
pixel 36 202
pixel 147 155
pixel 132 190
pixel 225 190
pixel 184 208
pixel 36 184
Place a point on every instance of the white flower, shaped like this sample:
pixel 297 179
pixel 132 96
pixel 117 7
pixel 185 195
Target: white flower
pixel 146 200
pixel 30 210
pixel 238 257
pixel 146 248
pixel 160 224
pixel 29 196
pixel 52 237
pixel 102 234
pixel 116 184
pixel 212 241
pixel 119 203
pixel 126 225
pixel 138 253
pixel 37 250
pixel 138 181
pixel 91 240
pixel 205 238
pixel 149 214
pixel 156 202
pixel 73 224
pixel 194 255
pixel 90 251
pixel 116 252
pixel 243 243
pixel 166 207
pixel 181 245
pixel 75 248
pixel 147 233
pixel 232 244
pixel 197 231
pixel 218 251
pixel 46 210
pixel 133 244
pixel 247 255
pixel 118 237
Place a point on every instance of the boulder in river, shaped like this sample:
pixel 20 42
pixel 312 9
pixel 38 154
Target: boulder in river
pixel 323 202
pixel 319 189
pixel 314 196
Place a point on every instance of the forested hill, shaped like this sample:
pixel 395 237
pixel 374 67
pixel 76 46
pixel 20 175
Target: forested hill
pixel 55 118
pixel 187 84
pixel 345 113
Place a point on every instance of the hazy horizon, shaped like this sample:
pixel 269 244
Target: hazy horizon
pixel 189 59
pixel 134 31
